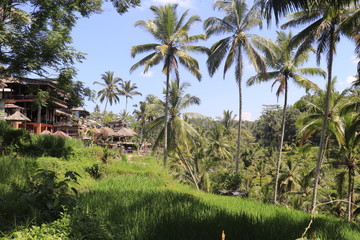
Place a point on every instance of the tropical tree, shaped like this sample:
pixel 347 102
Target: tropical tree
pixel 348 137
pixel 237 22
pixel 325 28
pixel 143 115
pixel 110 92
pixel 181 135
pixel 128 90
pixel 228 121
pixel 219 147
pixel 289 178
pixel 174 43
pixel 281 57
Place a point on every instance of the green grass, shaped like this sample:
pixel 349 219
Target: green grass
pixel 143 203
pixel 138 200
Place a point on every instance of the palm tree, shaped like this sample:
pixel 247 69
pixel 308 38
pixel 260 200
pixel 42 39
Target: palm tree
pixel 172 48
pixel 143 115
pixel 228 121
pixel 181 135
pixel 110 92
pixel 281 57
pixel 325 28
pixel 348 137
pixel 219 147
pixel 128 90
pixel 289 178
pixel 310 122
pixel 237 22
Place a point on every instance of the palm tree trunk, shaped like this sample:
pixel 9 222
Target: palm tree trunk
pixel 350 193
pixel 188 167
pixel 126 102
pixel 325 122
pixel 166 113
pixel 239 78
pixel 106 105
pixel 278 163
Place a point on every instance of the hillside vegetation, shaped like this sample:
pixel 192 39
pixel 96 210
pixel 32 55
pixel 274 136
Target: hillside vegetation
pixel 134 198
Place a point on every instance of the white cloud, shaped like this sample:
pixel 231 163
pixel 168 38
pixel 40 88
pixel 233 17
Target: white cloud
pixel 350 79
pixel 148 74
pixel 246 116
pixel 182 3
pixel 355 59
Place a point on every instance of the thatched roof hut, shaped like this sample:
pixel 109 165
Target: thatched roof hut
pixel 17 117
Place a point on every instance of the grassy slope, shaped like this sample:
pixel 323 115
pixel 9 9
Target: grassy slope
pixel 142 202
pixel 138 200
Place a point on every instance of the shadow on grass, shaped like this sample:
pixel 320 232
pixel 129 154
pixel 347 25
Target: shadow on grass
pixel 172 215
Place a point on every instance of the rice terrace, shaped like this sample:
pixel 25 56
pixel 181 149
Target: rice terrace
pixel 180 119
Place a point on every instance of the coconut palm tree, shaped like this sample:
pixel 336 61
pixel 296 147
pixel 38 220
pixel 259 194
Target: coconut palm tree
pixel 237 22
pixel 228 121
pixel 219 147
pixel 289 178
pixel 348 137
pixel 179 131
pixel 128 90
pixel 281 57
pixel 110 92
pixel 174 43
pixel 181 135
pixel 324 28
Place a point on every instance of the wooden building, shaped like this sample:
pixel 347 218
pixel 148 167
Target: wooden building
pixel 21 95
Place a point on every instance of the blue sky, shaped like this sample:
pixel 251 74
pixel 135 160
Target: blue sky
pixel 107 38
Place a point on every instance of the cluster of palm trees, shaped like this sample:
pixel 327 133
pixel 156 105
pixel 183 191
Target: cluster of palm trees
pixel 323 22
pixel 326 21
pixel 114 87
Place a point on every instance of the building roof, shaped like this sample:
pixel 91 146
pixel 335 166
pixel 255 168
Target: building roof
pixel 17 116
pixel 11 105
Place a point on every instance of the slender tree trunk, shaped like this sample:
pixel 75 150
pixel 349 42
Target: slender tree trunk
pixel 350 188
pixel 188 167
pixel 350 191
pixel 166 114
pixel 106 105
pixel 325 122
pixel 39 114
pixel 126 102
pixel 239 78
pixel 278 163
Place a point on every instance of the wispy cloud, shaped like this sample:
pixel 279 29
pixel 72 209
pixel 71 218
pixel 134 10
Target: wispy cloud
pixel 354 59
pixel 350 79
pixel 148 74
pixel 182 3
pixel 246 116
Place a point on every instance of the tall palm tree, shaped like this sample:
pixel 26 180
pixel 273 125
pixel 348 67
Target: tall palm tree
pixel 281 57
pixel 128 90
pixel 179 131
pixel 110 92
pixel 325 28
pixel 237 22
pixel 181 135
pixel 289 178
pixel 174 43
pixel 228 121
pixel 348 137
pixel 219 146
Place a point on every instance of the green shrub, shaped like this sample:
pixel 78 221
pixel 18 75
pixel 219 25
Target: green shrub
pixel 50 146
pixel 107 154
pixel 95 171
pixel 12 140
pixel 225 181
pixel 49 196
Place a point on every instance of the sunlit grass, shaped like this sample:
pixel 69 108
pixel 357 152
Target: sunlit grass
pixel 138 200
